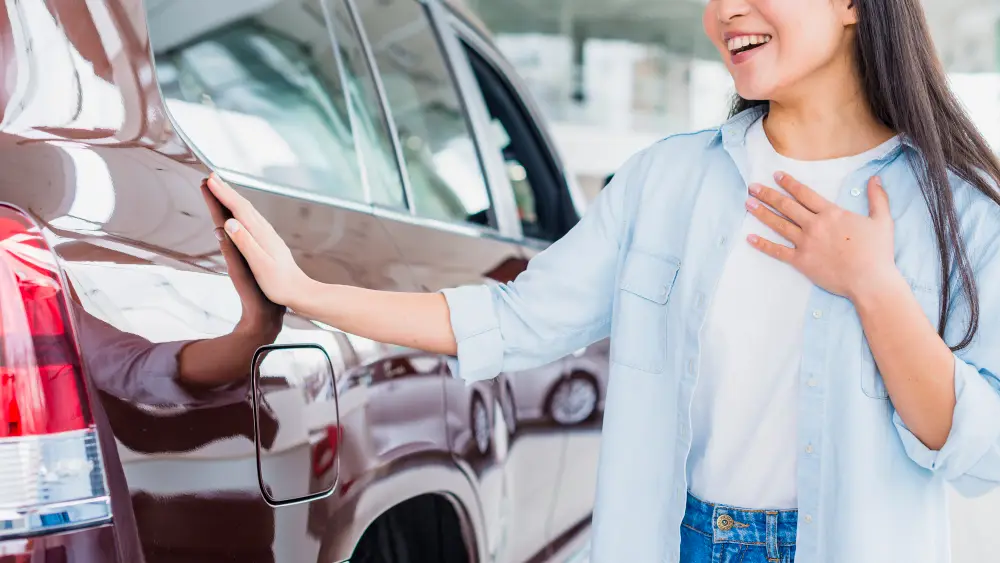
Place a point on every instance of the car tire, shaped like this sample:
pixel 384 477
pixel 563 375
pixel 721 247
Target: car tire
pixel 509 409
pixel 479 424
pixel 573 399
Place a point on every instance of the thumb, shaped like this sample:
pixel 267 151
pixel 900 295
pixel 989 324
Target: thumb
pixel 244 241
pixel 878 199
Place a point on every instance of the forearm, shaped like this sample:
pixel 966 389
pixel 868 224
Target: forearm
pixel 415 320
pixel 917 366
pixel 225 359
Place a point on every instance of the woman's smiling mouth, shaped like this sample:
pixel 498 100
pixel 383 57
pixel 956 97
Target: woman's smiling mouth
pixel 741 46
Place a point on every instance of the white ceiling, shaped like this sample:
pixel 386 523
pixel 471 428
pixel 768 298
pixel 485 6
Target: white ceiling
pixel 964 30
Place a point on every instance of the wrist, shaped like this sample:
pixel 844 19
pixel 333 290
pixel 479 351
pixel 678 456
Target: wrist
pixel 305 295
pixel 874 287
pixel 258 332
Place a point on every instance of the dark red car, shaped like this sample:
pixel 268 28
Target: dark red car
pixel 392 147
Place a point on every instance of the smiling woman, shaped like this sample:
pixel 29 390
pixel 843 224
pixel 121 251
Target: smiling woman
pixel 782 392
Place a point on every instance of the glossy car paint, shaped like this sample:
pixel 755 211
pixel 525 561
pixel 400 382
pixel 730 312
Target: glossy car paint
pixel 89 149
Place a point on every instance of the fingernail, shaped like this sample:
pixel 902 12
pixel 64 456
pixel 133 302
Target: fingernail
pixel 232 225
pixel 778 176
pixel 878 181
pixel 755 189
pixel 219 235
pixel 752 204
pixel 753 239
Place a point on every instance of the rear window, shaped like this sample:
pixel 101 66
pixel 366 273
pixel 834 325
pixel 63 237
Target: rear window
pixel 262 93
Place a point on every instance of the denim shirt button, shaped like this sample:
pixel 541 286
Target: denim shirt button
pixel 856 192
pixel 817 314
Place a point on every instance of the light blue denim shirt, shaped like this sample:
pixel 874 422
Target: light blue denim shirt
pixel 642 266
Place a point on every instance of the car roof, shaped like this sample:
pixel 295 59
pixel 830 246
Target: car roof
pixel 469 16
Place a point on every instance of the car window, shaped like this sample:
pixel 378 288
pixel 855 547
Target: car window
pixel 371 126
pixel 265 94
pixel 544 207
pixel 442 161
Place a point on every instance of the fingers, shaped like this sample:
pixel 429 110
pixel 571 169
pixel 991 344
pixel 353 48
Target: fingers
pixel 227 196
pixel 785 205
pixel 774 250
pixel 244 211
pixel 878 199
pixel 802 193
pixel 779 224
pixel 255 255
pixel 215 209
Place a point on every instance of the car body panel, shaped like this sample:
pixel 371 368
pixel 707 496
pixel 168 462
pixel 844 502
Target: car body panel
pixel 89 147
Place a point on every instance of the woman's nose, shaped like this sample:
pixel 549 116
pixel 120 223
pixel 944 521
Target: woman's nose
pixel 728 10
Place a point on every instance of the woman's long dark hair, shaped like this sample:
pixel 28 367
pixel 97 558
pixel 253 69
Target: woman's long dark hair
pixel 907 90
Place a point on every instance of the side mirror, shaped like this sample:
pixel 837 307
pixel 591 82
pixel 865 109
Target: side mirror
pixel 294 387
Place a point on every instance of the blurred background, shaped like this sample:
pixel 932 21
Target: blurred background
pixel 612 76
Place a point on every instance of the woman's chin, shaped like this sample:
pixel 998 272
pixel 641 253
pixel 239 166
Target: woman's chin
pixel 749 91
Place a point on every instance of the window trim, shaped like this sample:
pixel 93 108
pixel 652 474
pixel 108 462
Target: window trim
pixel 503 209
pixel 352 118
pixel 485 48
pixel 552 201
pixel 387 118
pixel 413 216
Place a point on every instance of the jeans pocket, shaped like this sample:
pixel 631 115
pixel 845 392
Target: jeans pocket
pixel 640 336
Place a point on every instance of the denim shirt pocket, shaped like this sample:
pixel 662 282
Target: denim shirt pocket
pixel 871 378
pixel 639 340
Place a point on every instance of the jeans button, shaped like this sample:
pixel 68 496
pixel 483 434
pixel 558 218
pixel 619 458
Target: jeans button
pixel 725 522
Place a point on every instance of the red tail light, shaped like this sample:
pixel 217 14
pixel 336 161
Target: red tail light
pixel 51 475
pixel 324 452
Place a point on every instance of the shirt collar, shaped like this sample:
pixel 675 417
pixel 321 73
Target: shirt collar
pixel 734 132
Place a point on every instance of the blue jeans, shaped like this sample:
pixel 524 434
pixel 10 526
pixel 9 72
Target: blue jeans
pixel 716 533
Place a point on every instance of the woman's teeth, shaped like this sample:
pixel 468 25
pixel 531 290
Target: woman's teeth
pixel 746 42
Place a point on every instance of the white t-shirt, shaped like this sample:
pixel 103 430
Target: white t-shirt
pixel 744 443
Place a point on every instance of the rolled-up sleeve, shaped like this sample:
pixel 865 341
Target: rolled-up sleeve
pixel 130 367
pixel 477 332
pixel 561 302
pixel 970 457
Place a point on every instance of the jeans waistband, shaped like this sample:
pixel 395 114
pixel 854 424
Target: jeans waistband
pixel 772 528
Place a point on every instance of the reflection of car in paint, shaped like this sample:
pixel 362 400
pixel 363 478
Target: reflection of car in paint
pixel 391 146
pixel 569 391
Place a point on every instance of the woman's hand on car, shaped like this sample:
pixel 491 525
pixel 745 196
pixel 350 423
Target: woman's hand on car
pixel 261 317
pixel 269 258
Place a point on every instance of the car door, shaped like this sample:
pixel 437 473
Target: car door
pixel 457 231
pixel 567 395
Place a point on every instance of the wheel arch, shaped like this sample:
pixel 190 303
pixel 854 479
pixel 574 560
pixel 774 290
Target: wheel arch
pixel 406 479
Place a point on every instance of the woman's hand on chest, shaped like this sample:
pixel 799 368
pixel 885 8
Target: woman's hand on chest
pixel 843 252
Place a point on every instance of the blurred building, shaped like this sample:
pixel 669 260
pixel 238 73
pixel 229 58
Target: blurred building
pixel 613 76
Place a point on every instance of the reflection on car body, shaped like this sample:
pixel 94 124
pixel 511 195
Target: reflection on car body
pixel 366 132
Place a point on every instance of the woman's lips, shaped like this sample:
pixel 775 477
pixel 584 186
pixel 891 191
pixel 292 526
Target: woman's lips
pixel 744 56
